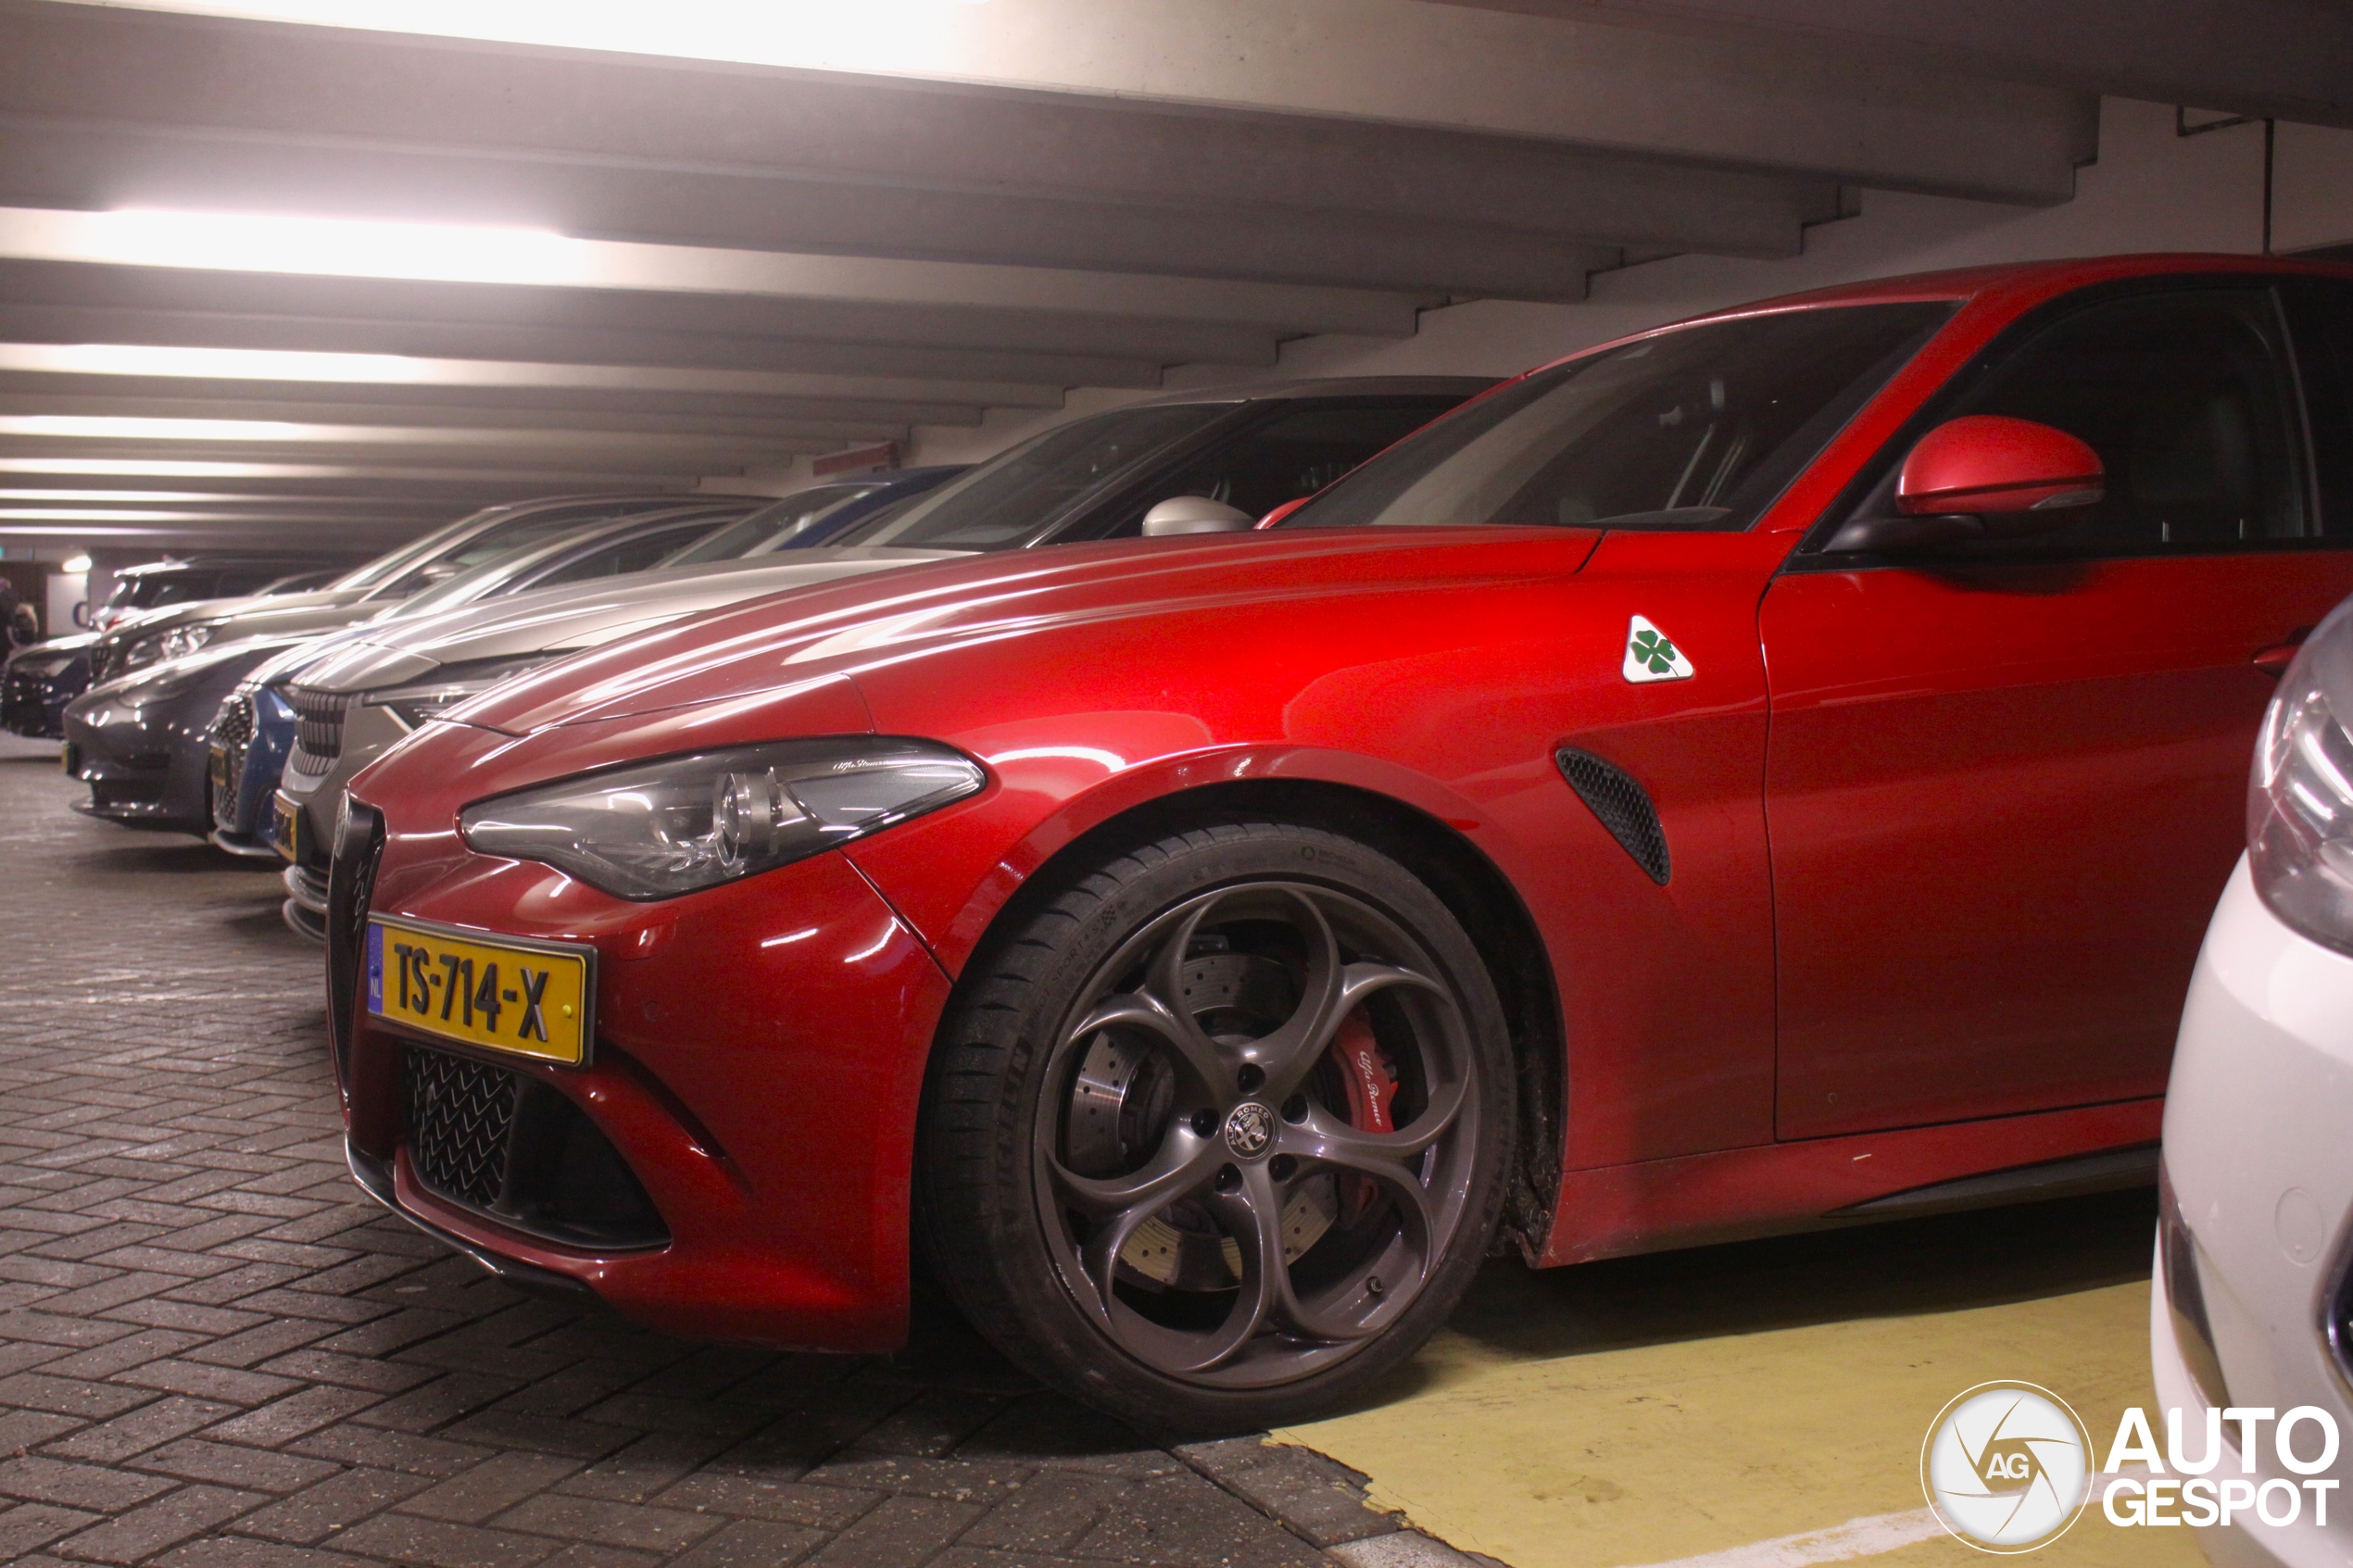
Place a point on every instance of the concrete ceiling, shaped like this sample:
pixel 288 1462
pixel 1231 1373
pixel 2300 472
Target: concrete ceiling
pixel 710 237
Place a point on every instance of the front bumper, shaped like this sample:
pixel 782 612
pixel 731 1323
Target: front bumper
pixel 758 1060
pixel 145 765
pixel 33 697
pixel 2262 1188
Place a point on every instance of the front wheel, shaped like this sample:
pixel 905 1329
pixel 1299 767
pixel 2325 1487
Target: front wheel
pixel 1218 1135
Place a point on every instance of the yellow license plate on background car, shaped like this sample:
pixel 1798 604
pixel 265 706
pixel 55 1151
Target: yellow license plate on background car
pixel 286 828
pixel 530 999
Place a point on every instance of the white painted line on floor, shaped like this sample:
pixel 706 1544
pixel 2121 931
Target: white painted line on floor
pixel 1867 1537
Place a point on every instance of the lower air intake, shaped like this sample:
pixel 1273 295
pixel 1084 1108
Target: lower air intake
pixel 523 1154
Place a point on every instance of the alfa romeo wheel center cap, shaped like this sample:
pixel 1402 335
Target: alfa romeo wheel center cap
pixel 1249 1128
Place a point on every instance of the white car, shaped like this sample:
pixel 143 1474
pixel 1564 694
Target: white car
pixel 2249 1310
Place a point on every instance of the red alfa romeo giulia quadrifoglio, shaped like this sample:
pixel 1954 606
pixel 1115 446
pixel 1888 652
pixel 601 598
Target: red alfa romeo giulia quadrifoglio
pixel 1770 771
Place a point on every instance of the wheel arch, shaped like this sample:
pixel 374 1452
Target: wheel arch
pixel 1463 877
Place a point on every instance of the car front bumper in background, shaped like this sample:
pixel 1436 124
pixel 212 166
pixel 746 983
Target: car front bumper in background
pixel 144 764
pixel 2254 1250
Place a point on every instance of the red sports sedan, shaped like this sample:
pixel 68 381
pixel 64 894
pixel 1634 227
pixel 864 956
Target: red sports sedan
pixel 1766 772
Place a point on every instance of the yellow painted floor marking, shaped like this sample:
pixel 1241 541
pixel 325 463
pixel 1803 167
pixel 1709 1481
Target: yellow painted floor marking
pixel 1760 1405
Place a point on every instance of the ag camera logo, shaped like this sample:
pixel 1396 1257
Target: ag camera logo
pixel 2006 1467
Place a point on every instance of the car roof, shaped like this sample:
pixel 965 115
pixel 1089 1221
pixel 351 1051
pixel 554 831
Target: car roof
pixel 2032 280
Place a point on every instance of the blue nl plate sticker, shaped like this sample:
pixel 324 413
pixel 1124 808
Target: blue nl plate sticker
pixel 375 968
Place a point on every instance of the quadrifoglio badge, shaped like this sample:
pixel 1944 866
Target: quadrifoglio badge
pixel 2006 1468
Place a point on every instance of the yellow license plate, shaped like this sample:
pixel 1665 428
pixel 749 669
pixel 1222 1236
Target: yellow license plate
pixel 286 828
pixel 530 999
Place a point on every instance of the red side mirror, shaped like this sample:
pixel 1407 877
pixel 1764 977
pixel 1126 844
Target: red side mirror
pixel 1985 464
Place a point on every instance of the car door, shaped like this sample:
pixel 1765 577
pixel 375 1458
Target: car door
pixel 2004 782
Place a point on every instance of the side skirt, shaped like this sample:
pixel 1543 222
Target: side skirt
pixel 1775 1189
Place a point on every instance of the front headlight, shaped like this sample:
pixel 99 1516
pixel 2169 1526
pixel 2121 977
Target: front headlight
pixel 414 705
pixel 655 830
pixel 177 642
pixel 2299 805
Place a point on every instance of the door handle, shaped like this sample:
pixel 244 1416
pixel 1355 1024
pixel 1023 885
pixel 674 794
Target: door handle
pixel 2275 660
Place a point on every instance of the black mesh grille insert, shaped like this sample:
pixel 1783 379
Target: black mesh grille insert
pixel 232 729
pixel 1623 807
pixel 351 880
pixel 462 1116
pixel 525 1154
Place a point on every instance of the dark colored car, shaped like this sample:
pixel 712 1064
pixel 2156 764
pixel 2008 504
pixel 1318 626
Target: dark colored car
pixel 1773 772
pixel 40 682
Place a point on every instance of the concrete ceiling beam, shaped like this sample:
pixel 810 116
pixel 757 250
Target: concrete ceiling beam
pixel 2292 59
pixel 530 404
pixel 430 417
pixel 290 251
pixel 277 330
pixel 582 311
pixel 1507 249
pixel 396 373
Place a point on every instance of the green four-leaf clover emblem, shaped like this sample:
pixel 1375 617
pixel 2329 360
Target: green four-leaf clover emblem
pixel 1653 653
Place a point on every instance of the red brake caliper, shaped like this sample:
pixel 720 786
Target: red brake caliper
pixel 1371 1080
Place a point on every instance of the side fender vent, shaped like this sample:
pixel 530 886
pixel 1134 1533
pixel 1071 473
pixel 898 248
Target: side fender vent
pixel 1623 806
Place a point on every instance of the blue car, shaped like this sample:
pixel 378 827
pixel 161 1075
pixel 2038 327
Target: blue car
pixel 250 737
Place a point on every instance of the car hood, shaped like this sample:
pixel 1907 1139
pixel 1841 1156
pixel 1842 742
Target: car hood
pixel 924 613
pixel 566 619
pixel 172 677
pixel 239 610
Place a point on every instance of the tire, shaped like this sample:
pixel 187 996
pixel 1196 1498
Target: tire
pixel 1217 1134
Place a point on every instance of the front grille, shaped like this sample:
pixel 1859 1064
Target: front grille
pixel 461 1118
pixel 351 883
pixel 1623 807
pixel 232 729
pixel 319 722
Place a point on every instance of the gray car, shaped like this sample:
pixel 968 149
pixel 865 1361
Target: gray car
pixel 1180 464
pixel 140 738
pixel 366 590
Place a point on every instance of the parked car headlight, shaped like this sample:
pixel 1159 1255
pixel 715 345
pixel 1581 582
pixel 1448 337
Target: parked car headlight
pixel 414 705
pixel 2299 806
pixel 177 642
pixel 655 830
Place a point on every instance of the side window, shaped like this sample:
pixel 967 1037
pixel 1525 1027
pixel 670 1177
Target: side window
pixel 1282 458
pixel 633 555
pixel 2188 400
pixel 2321 315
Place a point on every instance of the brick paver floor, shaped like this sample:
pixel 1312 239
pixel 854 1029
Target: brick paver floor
pixel 215 1353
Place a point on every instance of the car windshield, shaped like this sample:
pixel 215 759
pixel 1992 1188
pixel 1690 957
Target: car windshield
pixel 498 541
pixel 1006 499
pixel 1698 428
pixel 774 528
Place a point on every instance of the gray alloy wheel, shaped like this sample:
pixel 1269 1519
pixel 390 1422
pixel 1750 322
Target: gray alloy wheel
pixel 1257 1128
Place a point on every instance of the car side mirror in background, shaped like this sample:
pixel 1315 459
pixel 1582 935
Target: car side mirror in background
pixel 1195 514
pixel 1982 476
